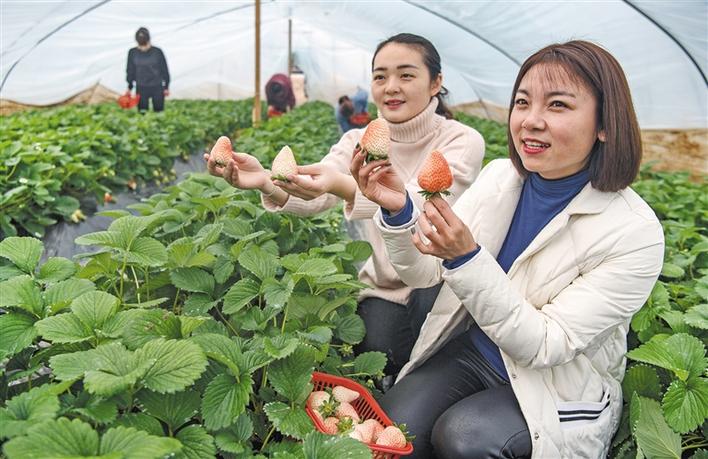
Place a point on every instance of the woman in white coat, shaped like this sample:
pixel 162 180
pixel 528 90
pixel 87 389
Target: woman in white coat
pixel 545 259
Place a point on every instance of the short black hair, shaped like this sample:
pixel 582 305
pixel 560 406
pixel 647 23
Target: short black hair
pixel 142 36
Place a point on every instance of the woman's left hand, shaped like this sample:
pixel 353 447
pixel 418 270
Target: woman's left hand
pixel 448 235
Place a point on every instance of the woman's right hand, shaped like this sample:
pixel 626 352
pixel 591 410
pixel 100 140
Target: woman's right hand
pixel 242 171
pixel 379 182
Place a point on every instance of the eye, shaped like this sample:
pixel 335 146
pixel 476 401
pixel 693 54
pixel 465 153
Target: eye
pixel 558 104
pixel 407 76
pixel 379 77
pixel 520 101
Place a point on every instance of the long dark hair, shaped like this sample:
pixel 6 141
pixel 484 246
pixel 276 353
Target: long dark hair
pixel 142 36
pixel 614 163
pixel 431 58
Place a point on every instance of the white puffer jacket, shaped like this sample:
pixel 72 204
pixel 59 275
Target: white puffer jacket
pixel 560 316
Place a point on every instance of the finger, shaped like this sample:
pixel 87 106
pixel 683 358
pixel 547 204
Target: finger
pixel 433 215
pixel 357 150
pixel 230 173
pixel 213 168
pixel 241 158
pixel 444 209
pixel 357 162
pixel 310 169
pixel 374 177
pixel 420 245
pixel 430 232
pixel 304 182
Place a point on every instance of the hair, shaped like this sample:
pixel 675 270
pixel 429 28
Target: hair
pixel 431 58
pixel 142 36
pixel 614 163
pixel 342 99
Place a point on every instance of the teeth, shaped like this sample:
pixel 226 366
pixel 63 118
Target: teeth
pixel 537 145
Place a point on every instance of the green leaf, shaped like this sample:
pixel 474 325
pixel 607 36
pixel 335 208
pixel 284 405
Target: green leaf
pixel 23 252
pixel 198 304
pixel 291 376
pixel 189 324
pixel 95 308
pixel 672 271
pixel 60 295
pixel 316 267
pixel 234 438
pixel 117 370
pixel 193 280
pixel 56 269
pixel 98 409
pixel 370 363
pixel 222 269
pixel 73 365
pixel 360 250
pixel 654 437
pixel 261 263
pixel 318 334
pixel 140 421
pixel 697 316
pixel 239 295
pixel 128 229
pixel 172 409
pixel 322 446
pixel 279 346
pixel 642 379
pixel 21 292
pixel 292 421
pixel 17 331
pixel 147 325
pixel 220 348
pixel 682 354
pixel 59 438
pixel 26 410
pixel 147 251
pixel 196 443
pixel 685 404
pixel 137 444
pixel 277 293
pixel 224 399
pixel 64 328
pixel 350 329
pixel 178 363
pixel 101 238
pixel 146 304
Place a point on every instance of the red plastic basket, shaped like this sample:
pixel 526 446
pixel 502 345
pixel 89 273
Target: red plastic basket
pixel 365 406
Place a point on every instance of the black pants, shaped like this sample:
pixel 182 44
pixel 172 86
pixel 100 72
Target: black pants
pixel 459 407
pixel 151 92
pixel 393 328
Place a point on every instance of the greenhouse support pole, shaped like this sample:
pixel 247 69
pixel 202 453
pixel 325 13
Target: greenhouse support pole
pixel 290 46
pixel 257 94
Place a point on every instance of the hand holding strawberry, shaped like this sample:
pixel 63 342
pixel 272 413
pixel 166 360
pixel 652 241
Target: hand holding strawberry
pixel 241 171
pixel 379 182
pixel 448 236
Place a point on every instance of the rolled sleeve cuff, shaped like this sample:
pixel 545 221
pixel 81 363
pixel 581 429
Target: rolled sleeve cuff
pixel 461 260
pixel 401 217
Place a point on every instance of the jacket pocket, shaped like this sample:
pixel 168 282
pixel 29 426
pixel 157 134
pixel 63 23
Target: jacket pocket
pixel 577 414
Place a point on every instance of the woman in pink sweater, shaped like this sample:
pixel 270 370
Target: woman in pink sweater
pixel 407 89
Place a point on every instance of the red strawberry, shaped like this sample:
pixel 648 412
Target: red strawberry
pixel 221 151
pixel 376 428
pixel 376 140
pixel 330 426
pixel 346 410
pixel 317 399
pixel 342 394
pixel 393 437
pixel 435 177
pixel 284 164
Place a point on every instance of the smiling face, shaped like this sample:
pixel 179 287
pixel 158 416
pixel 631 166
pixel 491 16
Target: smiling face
pixel 401 85
pixel 553 122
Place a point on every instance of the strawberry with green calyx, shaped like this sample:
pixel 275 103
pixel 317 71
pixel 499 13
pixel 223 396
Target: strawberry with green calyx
pixel 345 425
pixel 331 425
pixel 329 408
pixel 283 165
pixel 376 141
pixel 221 151
pixel 316 399
pixel 375 426
pixel 343 394
pixel 347 410
pixel 435 177
pixel 395 436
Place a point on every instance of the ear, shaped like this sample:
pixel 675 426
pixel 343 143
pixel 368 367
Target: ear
pixel 436 85
pixel 601 136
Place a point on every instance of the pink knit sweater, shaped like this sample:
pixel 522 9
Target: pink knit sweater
pixel 411 141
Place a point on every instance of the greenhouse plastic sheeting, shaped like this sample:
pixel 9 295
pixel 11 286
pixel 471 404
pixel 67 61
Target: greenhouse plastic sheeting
pixel 51 51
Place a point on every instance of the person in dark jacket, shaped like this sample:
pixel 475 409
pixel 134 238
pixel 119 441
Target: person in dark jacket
pixel 147 68
pixel 279 95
